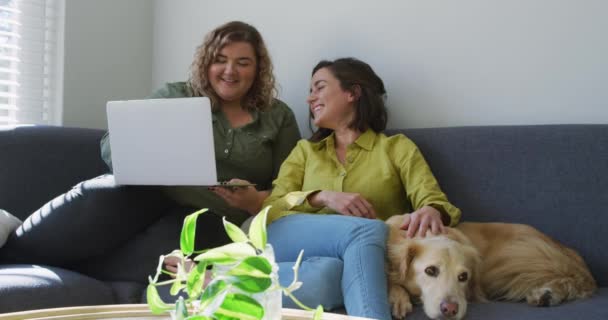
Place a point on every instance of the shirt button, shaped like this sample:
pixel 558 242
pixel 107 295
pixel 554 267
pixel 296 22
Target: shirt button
pixel 229 130
pixel 342 174
pixel 350 159
pixel 226 151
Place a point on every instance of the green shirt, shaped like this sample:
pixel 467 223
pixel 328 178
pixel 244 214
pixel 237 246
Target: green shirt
pixel 253 152
pixel 389 172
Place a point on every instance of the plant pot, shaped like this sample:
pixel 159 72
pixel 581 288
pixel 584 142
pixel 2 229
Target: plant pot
pixel 271 299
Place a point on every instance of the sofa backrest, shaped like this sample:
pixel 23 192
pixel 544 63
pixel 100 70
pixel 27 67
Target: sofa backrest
pixel 38 163
pixel 553 177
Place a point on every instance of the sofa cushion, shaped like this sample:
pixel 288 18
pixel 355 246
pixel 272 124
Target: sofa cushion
pixel 41 162
pixel 8 224
pixel 28 287
pixel 127 291
pixel 594 308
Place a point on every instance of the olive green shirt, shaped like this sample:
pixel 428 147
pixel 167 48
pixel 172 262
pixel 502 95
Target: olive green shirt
pixel 389 172
pixel 253 152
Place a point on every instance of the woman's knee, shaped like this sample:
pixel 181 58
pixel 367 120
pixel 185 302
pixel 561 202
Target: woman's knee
pixel 320 277
pixel 371 231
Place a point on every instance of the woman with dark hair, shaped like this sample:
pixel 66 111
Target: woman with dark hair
pixel 354 175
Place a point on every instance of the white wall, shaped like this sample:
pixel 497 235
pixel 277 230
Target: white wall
pixel 108 56
pixel 445 63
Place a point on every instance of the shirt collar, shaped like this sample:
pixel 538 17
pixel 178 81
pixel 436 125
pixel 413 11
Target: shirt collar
pixel 365 140
pixel 218 115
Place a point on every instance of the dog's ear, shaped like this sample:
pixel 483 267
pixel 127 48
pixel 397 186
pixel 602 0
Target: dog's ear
pixel 401 254
pixel 475 290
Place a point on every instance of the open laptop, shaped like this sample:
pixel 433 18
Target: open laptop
pixel 162 142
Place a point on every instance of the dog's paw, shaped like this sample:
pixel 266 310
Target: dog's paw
pixel 400 301
pixel 543 297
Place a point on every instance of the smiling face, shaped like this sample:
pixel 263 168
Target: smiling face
pixel 330 105
pixel 233 71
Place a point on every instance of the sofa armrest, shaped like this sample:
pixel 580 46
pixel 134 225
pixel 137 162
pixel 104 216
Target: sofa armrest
pixel 38 163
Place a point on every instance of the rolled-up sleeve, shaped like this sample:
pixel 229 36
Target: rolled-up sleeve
pixel 420 184
pixel 287 195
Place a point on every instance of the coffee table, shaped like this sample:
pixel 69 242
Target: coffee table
pixel 137 312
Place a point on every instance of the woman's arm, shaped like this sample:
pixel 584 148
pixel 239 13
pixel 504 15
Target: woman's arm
pixel 250 199
pixel 287 194
pixel 244 198
pixel 432 210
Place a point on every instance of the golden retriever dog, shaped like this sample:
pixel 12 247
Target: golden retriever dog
pixel 479 261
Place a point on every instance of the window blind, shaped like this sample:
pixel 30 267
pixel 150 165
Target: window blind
pixel 30 61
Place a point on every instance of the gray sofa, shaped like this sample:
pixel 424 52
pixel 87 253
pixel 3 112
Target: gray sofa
pixel 552 177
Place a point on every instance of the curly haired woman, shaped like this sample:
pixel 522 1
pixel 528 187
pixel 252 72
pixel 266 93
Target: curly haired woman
pixel 101 228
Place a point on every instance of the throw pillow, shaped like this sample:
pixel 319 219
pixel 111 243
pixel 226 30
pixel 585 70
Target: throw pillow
pixel 8 224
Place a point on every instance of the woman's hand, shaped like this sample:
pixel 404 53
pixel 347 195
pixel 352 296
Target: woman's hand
pixel 172 261
pixel 420 221
pixel 245 198
pixel 171 266
pixel 348 204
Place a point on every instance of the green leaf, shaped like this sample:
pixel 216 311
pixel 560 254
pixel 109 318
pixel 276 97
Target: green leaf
pixel 240 306
pixel 257 230
pixel 252 284
pixel 216 290
pixel 196 280
pixel 252 274
pixel 227 254
pixel 318 313
pixel 189 232
pixel 235 233
pixel 199 318
pixel 181 312
pixel 159 269
pixel 176 287
pixel 155 303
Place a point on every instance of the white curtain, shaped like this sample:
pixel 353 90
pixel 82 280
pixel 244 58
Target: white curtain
pixel 31 61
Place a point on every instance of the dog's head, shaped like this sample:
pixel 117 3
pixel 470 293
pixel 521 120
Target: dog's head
pixel 443 271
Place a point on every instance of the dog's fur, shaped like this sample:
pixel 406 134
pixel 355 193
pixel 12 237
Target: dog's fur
pixel 501 261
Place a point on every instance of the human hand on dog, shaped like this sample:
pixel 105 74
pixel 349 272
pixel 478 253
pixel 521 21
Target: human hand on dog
pixel 420 221
pixel 345 203
pixel 243 197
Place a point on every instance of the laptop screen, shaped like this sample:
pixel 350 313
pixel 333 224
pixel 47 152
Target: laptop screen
pixel 162 142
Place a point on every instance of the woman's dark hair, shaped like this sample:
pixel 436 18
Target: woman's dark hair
pixel 359 78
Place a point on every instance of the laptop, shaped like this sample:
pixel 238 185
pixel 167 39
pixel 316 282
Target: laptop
pixel 162 142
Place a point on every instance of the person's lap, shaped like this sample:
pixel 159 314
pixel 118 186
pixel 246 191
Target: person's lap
pixel 359 243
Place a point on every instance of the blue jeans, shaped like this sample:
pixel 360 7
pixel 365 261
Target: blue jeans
pixel 360 243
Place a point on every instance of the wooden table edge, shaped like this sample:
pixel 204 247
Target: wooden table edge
pixel 137 310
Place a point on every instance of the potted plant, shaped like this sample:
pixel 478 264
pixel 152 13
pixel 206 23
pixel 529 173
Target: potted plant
pixel 244 281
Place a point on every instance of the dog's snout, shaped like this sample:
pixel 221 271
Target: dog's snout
pixel 448 308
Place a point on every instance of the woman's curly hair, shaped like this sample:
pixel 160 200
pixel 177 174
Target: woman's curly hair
pixel 262 91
